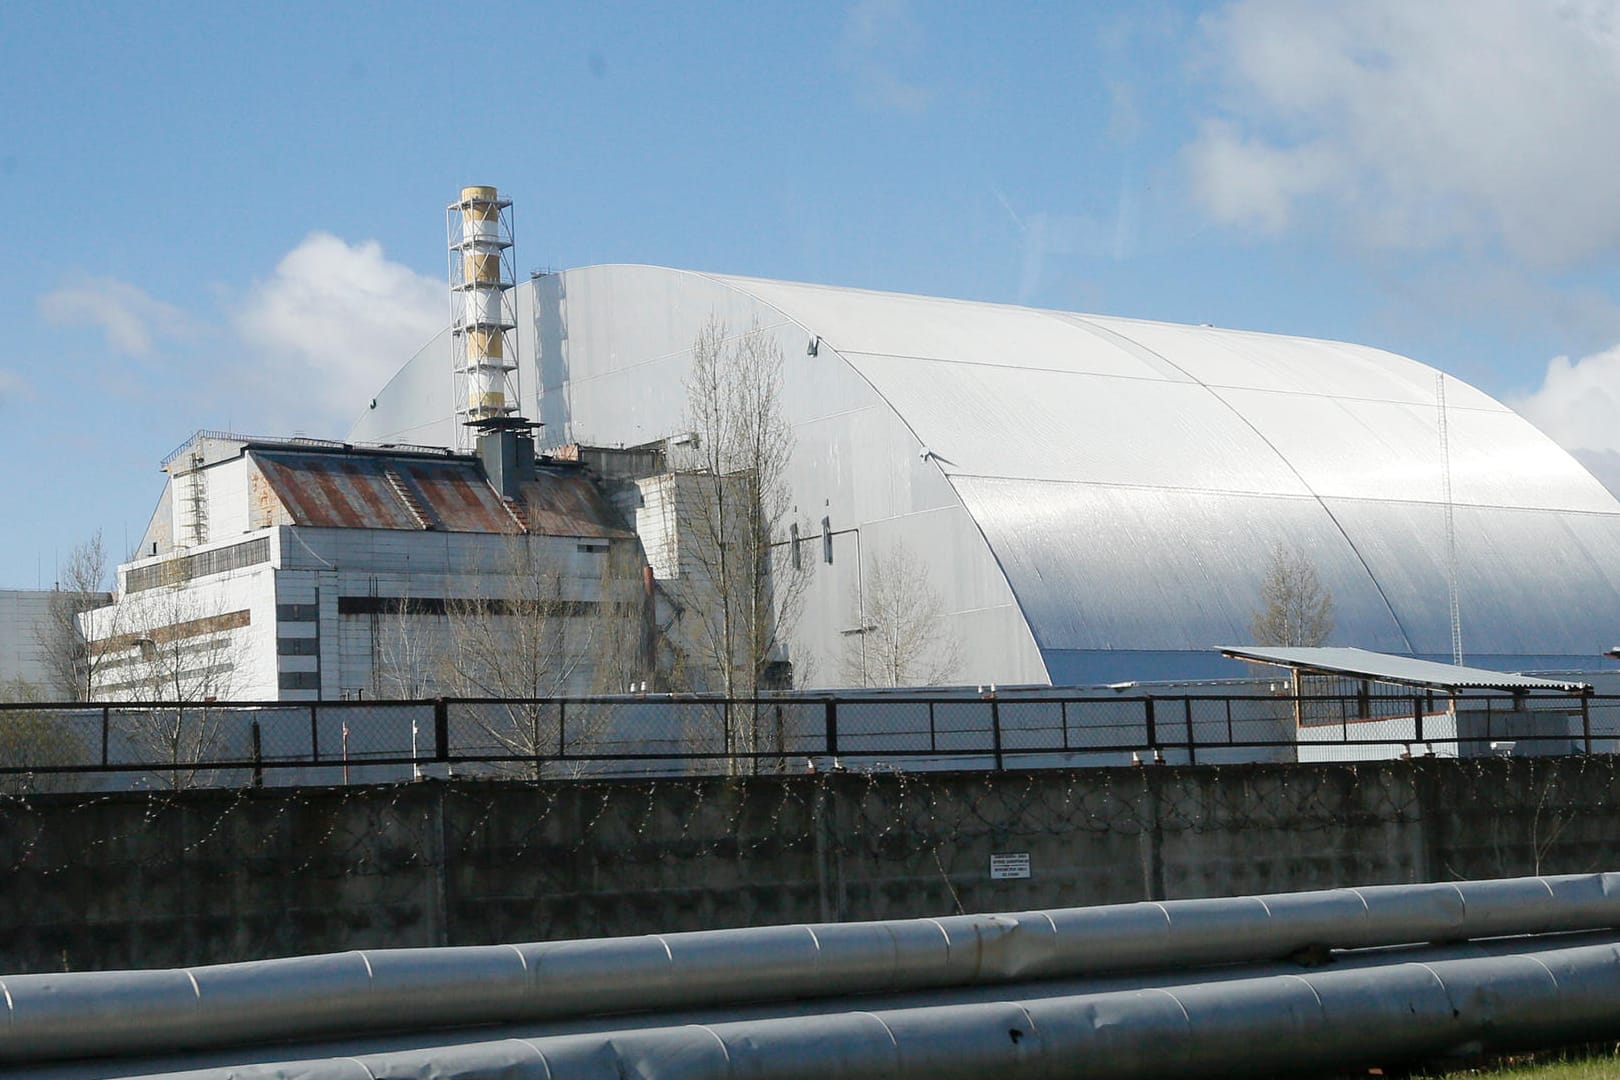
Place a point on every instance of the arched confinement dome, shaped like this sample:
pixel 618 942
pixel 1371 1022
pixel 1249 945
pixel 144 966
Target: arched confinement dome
pixel 1093 498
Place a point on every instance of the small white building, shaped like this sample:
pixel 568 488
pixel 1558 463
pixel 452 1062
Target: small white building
pixel 285 570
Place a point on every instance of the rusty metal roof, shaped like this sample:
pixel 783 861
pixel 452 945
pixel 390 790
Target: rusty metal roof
pixel 565 502
pixel 369 490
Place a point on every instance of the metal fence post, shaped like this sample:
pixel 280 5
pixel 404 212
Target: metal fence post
pixel 995 728
pixel 534 736
pixel 1417 718
pixel 1152 725
pixel 258 758
pixel 1192 752
pixel 314 732
pixel 441 730
pixel 1586 722
pixel 832 727
pixel 104 725
pixel 1063 713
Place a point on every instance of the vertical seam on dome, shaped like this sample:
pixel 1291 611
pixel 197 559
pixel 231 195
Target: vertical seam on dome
pixel 1378 587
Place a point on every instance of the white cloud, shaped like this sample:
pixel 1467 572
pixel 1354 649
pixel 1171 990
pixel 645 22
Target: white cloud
pixel 333 324
pixel 131 318
pixel 1418 125
pixel 880 39
pixel 13 387
pixel 1578 402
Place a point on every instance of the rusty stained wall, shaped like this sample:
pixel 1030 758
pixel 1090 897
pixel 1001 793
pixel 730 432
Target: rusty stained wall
pixel 264 506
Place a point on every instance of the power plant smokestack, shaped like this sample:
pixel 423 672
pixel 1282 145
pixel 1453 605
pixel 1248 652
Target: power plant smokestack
pixel 482 316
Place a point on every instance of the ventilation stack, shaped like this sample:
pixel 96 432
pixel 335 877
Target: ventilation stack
pixel 482 316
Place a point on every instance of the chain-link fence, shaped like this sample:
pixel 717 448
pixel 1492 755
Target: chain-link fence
pixel 111 746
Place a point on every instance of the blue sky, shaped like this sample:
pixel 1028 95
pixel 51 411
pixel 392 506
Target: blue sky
pixel 231 216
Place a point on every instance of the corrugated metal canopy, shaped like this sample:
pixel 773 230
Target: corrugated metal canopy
pixel 1403 670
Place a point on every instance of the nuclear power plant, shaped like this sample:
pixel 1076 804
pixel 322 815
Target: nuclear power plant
pixel 1070 499
pixel 550 544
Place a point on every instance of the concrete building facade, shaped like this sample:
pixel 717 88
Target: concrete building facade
pixel 23 615
pixel 287 570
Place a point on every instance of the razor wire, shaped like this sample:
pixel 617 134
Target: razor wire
pixel 585 838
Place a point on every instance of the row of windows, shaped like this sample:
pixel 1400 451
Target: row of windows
pixel 174 571
pixel 298 646
pixel 298 612
pixel 300 680
pixel 438 605
pixel 199 677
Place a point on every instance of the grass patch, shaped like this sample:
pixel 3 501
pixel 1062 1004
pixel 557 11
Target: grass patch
pixel 1598 1062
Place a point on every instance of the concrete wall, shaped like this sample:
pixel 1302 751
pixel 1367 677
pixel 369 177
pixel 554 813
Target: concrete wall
pixel 23 613
pixel 149 880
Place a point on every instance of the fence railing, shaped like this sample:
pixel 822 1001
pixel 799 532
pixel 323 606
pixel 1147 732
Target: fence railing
pixel 112 745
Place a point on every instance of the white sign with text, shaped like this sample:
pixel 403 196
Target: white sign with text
pixel 1012 865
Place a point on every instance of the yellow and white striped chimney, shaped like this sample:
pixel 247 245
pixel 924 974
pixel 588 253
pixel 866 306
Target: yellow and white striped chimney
pixel 479 225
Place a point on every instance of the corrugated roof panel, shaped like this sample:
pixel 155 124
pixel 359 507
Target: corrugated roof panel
pixel 318 490
pixel 456 497
pixel 1495 458
pixel 1360 663
pixel 851 320
pixel 1100 568
pixel 376 491
pixel 569 504
pixel 1046 425
pixel 1245 359
pixel 1529 581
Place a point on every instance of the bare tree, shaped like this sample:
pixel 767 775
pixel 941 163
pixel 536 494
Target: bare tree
pixel 71 661
pixel 185 656
pixel 900 638
pixel 1296 609
pixel 535 632
pixel 739 591
pixel 30 738
pixel 409 650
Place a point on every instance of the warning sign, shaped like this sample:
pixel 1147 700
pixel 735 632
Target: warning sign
pixel 1012 865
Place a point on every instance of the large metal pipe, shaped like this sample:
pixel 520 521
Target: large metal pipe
pixel 1391 1009
pixel 51 1016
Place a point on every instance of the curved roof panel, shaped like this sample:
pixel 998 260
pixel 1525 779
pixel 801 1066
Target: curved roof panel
pixel 1132 477
pixel 1129 478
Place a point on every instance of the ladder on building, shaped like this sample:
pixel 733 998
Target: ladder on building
pixel 402 491
pixel 196 502
pixel 515 508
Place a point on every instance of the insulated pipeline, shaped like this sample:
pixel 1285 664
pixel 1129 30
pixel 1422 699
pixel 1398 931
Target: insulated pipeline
pixel 1381 1013
pixel 56 1016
